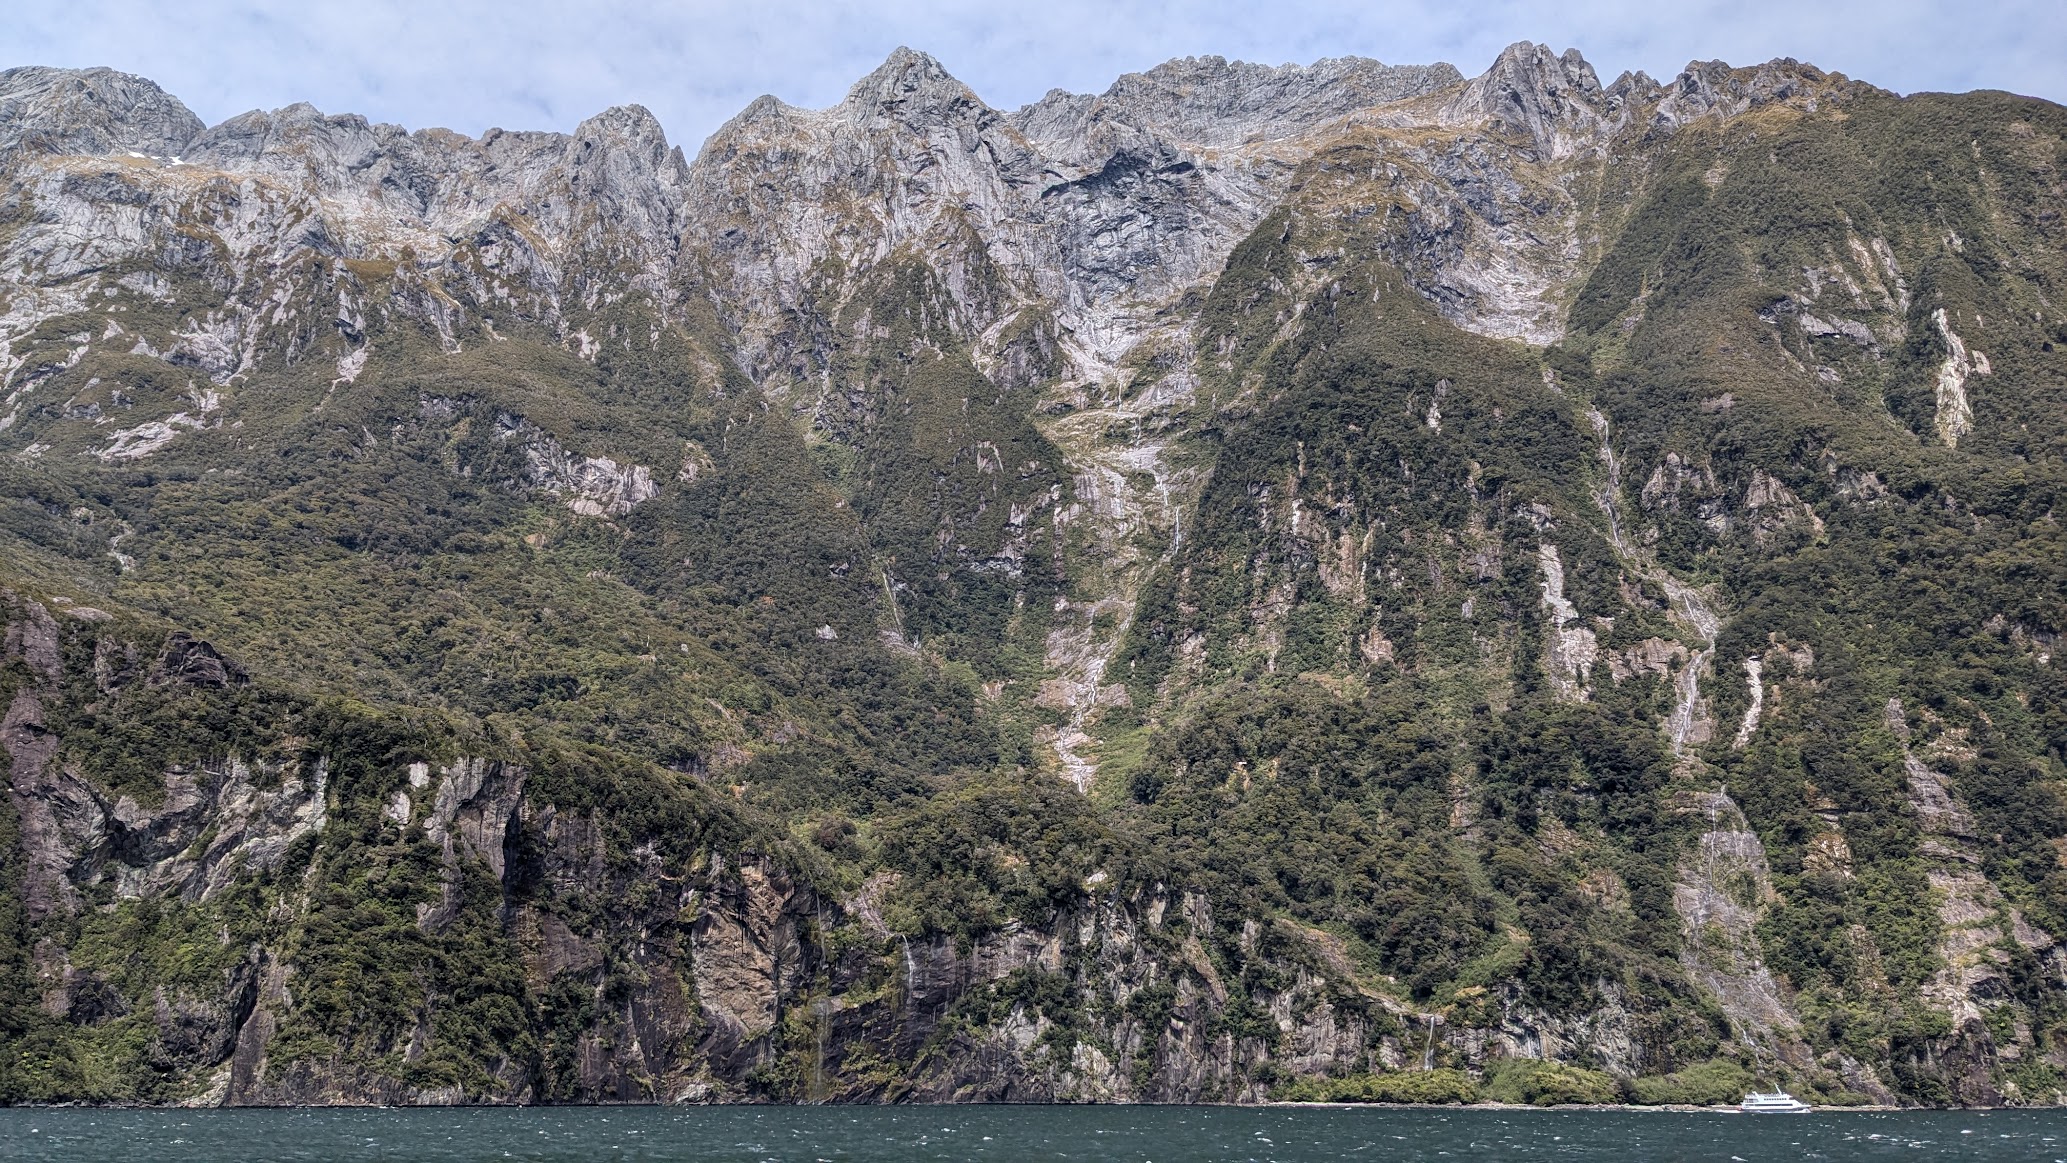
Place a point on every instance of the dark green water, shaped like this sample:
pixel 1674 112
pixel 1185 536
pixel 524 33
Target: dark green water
pixel 1012 1133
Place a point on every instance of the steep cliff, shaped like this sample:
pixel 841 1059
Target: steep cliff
pixel 1332 580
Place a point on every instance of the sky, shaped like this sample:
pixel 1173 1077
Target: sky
pixel 471 65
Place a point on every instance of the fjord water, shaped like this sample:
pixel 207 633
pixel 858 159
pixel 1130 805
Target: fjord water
pixel 1006 1134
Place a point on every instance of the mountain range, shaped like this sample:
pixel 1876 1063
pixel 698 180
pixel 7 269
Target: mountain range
pixel 1331 581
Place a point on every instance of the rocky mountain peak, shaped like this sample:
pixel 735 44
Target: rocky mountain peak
pixel 1715 88
pixel 1217 103
pixel 620 163
pixel 1554 99
pixel 764 116
pixel 91 111
pixel 633 130
pixel 910 88
pixel 345 155
pixel 289 139
pixel 1214 103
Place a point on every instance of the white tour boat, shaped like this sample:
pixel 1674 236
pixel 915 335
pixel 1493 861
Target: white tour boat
pixel 1777 1103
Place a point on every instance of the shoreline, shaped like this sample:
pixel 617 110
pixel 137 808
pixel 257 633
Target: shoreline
pixel 1662 1108
pixel 1649 1108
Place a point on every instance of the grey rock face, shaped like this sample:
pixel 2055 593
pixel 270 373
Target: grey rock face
pixel 1218 104
pixel 1555 101
pixel 595 486
pixel 215 820
pixel 1712 88
pixel 1102 210
pixel 606 186
pixel 792 206
pixel 90 111
pixel 188 661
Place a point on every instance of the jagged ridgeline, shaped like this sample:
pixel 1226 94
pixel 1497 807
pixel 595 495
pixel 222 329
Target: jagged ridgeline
pixel 1342 581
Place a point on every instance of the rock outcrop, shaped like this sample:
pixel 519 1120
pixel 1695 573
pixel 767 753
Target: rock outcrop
pixel 90 111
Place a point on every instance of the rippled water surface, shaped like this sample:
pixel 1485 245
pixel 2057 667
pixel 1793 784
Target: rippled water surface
pixel 1134 1134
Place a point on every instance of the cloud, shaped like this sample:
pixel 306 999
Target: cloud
pixel 528 64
